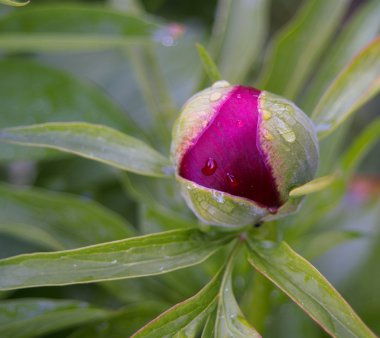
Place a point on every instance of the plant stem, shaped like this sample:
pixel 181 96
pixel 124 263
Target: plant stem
pixel 257 305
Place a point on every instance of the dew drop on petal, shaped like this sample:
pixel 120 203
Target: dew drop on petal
pixel 209 167
pixel 239 123
pixel 232 180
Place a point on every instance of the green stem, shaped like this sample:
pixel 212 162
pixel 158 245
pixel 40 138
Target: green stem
pixel 257 305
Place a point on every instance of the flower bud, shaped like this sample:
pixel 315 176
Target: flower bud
pixel 239 151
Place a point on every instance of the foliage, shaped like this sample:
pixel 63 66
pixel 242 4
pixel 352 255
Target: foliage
pixel 113 218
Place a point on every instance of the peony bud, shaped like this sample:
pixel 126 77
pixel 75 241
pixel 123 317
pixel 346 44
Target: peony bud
pixel 238 152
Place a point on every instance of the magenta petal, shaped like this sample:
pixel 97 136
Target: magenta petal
pixel 227 155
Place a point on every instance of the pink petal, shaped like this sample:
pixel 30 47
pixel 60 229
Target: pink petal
pixel 227 155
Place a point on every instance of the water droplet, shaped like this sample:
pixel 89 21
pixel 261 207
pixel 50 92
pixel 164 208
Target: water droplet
pixel 272 210
pixel 218 196
pixel 267 115
pixel 220 84
pixel 232 180
pixel 239 123
pixel 289 136
pixel 267 135
pixel 114 261
pixel 215 96
pixel 209 167
pixel 161 268
pixel 238 96
pixel 285 131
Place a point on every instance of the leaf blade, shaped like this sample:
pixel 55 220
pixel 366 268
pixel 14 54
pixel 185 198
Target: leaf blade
pixel 315 185
pixel 51 28
pixel 91 141
pixel 230 321
pixel 356 34
pixel 31 92
pixel 307 287
pixel 360 146
pixel 208 64
pixel 357 83
pixel 238 22
pixel 296 48
pixel 14 3
pixel 59 221
pixel 34 317
pixel 130 258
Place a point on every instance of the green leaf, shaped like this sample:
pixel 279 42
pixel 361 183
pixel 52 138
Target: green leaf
pixel 297 47
pixel 313 245
pixel 230 321
pixel 130 258
pixel 57 221
pixel 307 287
pixel 360 147
pixel 185 319
pixel 358 82
pixel 91 141
pixel 208 64
pixel 315 185
pixel 238 36
pixel 122 324
pixel 22 318
pixel 14 3
pixel 356 34
pixel 209 328
pixel 71 28
pixel 32 93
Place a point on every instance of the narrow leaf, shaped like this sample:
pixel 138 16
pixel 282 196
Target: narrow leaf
pixel 358 82
pixel 23 318
pixel 130 258
pixel 185 318
pixel 14 3
pixel 238 36
pixel 307 287
pixel 122 324
pixel 297 47
pixel 313 245
pixel 91 141
pixel 209 328
pixel 230 321
pixel 208 64
pixel 360 30
pixel 315 185
pixel 56 220
pixel 31 93
pixel 71 27
pixel 360 147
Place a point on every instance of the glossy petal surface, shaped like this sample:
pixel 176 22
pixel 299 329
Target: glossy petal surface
pixel 227 155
